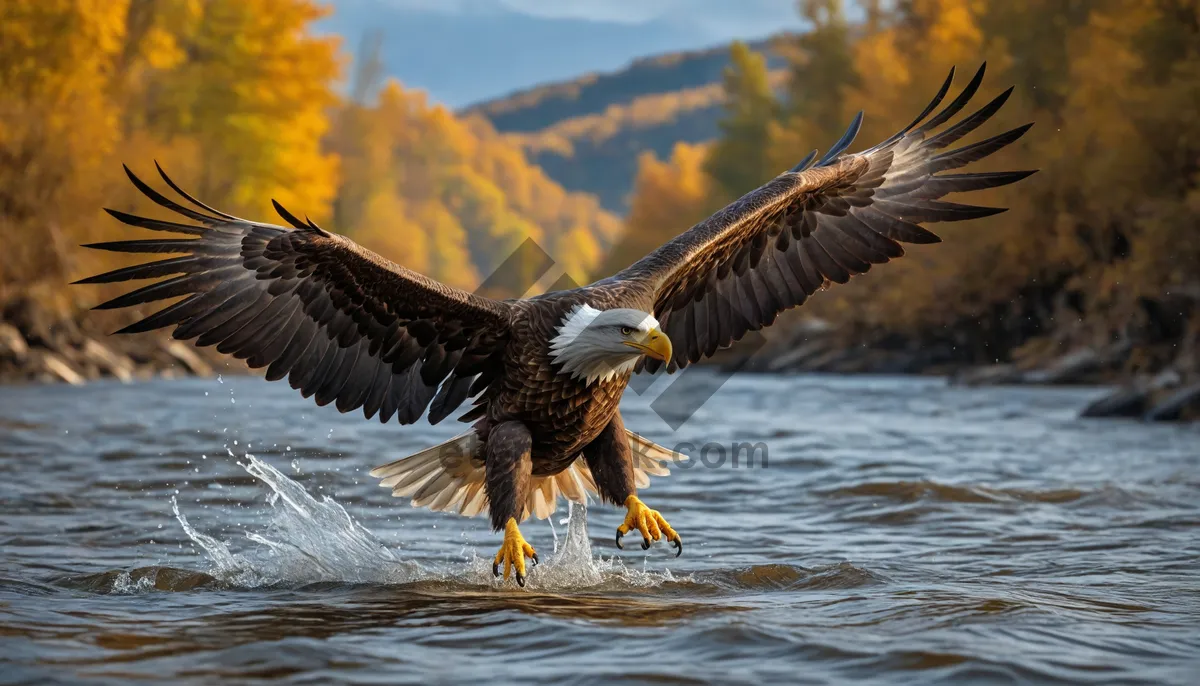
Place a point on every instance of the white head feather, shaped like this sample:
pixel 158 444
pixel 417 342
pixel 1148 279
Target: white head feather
pixel 590 343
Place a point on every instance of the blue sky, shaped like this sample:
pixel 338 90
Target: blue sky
pixel 463 51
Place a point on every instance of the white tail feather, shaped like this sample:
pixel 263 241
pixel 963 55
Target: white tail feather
pixel 449 477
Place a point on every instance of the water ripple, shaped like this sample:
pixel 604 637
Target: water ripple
pixel 902 531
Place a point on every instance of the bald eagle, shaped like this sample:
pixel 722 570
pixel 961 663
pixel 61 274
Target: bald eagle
pixel 546 373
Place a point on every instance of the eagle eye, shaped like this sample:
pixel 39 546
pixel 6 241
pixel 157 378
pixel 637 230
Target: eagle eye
pixel 626 330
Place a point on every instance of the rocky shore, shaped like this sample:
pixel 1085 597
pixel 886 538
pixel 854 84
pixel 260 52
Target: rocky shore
pixel 1166 391
pixel 39 347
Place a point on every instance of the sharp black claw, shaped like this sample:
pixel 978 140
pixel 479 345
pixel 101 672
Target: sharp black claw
pixel 619 546
pixel 534 558
pixel 645 544
pixel 495 569
pixel 678 546
pixel 521 581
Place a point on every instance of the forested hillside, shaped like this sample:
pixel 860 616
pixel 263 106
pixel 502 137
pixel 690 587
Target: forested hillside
pixel 238 100
pixel 587 133
pixel 1099 252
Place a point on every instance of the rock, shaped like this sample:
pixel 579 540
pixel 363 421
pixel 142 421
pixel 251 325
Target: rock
pixel 1070 368
pixel 1121 402
pixel 1167 378
pixel 58 368
pixel 1078 366
pixel 988 375
pixel 188 358
pixel 797 356
pixel 1183 404
pixel 12 343
pixel 40 326
pixel 117 365
pixel 825 360
pixel 812 327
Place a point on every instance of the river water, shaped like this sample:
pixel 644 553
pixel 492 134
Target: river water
pixel 901 531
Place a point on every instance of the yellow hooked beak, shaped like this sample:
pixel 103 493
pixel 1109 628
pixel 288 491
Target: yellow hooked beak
pixel 655 345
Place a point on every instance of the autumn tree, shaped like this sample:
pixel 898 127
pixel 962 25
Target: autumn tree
pixel 255 100
pixel 452 198
pixel 231 95
pixel 668 198
pixel 58 126
pixel 1098 247
pixel 738 161
pixel 821 67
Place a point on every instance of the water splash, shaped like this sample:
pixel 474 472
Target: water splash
pixel 572 564
pixel 306 540
pixel 125 584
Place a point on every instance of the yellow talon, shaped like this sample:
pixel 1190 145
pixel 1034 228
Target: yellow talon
pixel 650 523
pixel 513 552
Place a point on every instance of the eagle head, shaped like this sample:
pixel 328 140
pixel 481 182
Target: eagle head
pixel 597 345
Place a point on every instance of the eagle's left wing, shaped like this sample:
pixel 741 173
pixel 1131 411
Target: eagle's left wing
pixel 777 245
pixel 342 323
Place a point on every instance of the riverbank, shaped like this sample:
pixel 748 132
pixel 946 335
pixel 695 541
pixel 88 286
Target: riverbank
pixel 1156 380
pixel 39 346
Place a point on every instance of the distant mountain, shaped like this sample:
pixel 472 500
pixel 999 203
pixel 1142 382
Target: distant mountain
pixel 587 133
pixel 464 51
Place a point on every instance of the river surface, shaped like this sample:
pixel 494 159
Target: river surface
pixel 901 531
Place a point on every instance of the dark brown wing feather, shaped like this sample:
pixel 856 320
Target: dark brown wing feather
pixel 342 323
pixel 777 245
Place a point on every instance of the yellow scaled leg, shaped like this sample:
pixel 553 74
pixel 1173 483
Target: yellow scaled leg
pixel 513 552
pixel 650 523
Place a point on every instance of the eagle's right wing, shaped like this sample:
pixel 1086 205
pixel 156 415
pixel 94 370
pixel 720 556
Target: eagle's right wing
pixel 818 223
pixel 341 322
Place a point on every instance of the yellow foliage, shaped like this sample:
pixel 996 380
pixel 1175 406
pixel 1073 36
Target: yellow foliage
pixel 257 103
pixel 644 111
pixel 668 198
pixel 235 99
pixel 58 125
pixel 468 193
pixel 1100 245
pixel 389 229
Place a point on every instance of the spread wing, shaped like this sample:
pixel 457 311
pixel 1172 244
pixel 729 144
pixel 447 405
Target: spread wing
pixel 340 322
pixel 816 224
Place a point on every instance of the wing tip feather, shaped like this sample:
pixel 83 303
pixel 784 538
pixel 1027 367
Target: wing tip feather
pixel 803 164
pixel 286 215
